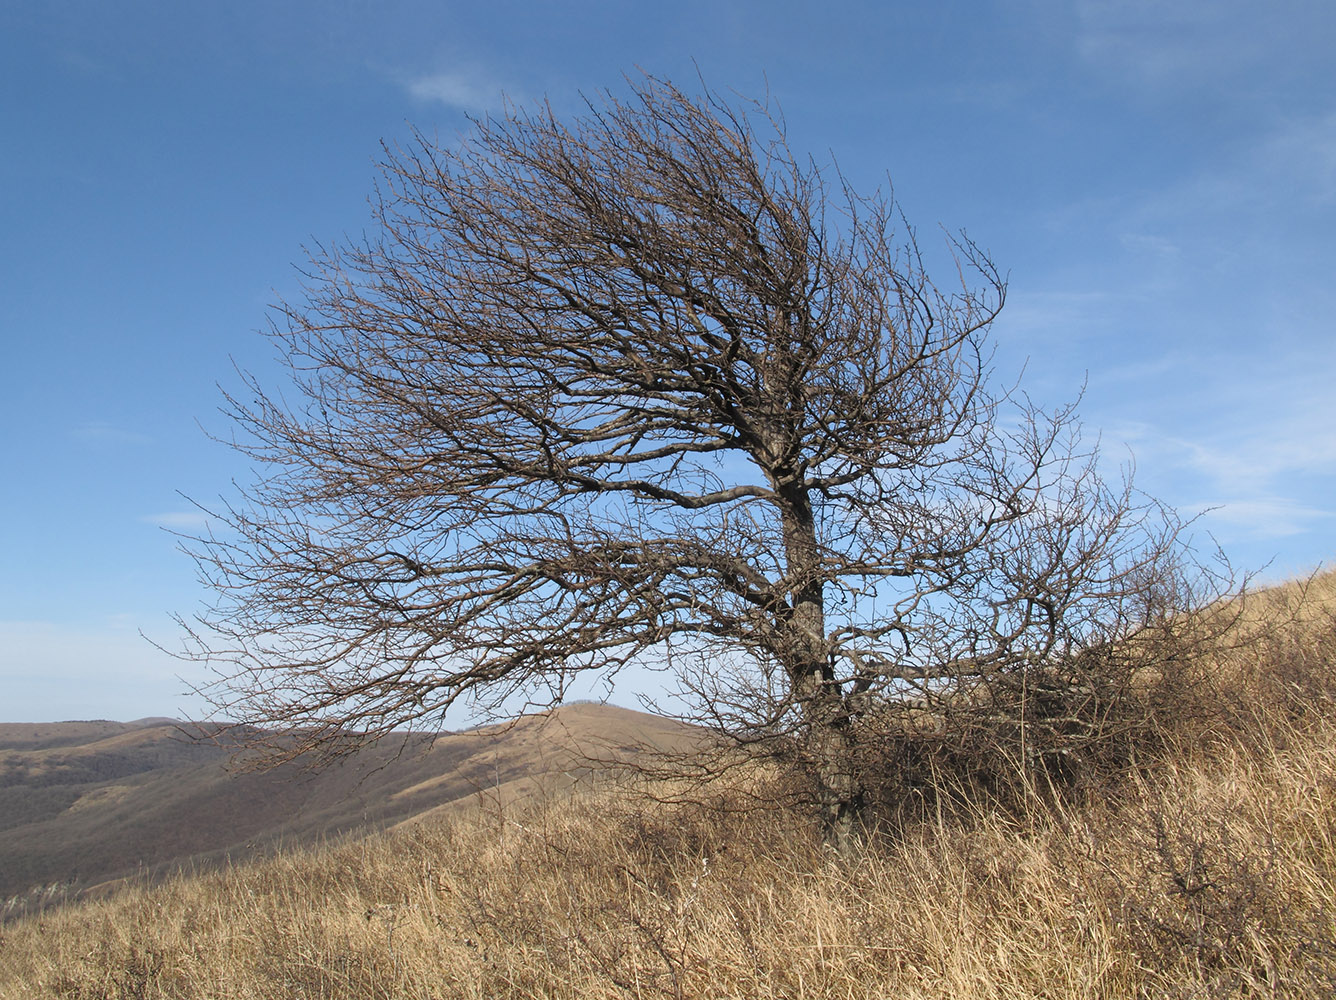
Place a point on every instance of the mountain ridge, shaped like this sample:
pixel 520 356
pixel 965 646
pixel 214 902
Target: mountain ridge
pixel 89 802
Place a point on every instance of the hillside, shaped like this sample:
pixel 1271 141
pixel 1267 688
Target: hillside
pixel 1208 870
pixel 83 803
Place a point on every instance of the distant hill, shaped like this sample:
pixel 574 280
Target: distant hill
pixel 85 803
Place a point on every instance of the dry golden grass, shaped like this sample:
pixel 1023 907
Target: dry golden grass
pixel 1211 873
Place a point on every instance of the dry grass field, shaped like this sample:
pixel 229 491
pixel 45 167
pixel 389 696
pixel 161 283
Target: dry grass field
pixel 1209 872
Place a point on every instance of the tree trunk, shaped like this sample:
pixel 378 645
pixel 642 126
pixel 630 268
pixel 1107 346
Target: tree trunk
pixel 808 661
pixel 839 790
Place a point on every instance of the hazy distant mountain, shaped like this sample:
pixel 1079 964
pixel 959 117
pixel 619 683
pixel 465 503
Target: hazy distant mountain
pixel 82 803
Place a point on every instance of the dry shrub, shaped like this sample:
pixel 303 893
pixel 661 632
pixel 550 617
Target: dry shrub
pixel 1224 871
pixel 1247 669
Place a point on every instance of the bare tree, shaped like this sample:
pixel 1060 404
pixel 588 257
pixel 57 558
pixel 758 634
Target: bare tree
pixel 648 387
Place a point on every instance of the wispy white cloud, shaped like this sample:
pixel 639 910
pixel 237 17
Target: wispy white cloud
pixel 178 520
pixel 464 91
pixel 1150 245
pixel 1302 152
pixel 1262 460
pixel 1255 462
pixel 1254 63
pixel 1262 517
pixel 1171 47
pixel 1140 371
pixel 1286 170
pixel 80 62
pixel 1040 313
pixel 104 433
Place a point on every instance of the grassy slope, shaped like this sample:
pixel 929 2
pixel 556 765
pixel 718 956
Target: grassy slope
pixel 84 803
pixel 1213 875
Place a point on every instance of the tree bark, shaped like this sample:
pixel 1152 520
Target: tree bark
pixel 807 657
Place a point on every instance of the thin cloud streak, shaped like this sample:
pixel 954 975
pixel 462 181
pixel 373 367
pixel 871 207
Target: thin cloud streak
pixel 1250 483
pixel 1165 49
pixel 1263 517
pixel 461 91
pixel 178 520
pixel 102 432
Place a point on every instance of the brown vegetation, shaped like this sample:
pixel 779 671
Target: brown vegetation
pixel 1207 868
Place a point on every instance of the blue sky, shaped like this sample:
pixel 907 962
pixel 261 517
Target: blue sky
pixel 1158 178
